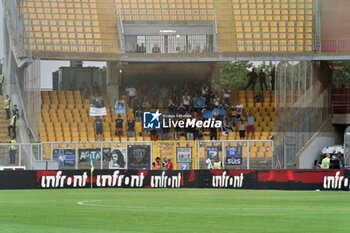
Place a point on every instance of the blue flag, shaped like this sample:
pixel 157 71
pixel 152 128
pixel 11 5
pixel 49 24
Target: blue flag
pixel 207 114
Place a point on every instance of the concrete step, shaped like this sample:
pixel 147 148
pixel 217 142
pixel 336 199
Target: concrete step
pixel 110 34
pixel 107 20
pixel 225 30
pixel 110 30
pixel 107 16
pixel 108 25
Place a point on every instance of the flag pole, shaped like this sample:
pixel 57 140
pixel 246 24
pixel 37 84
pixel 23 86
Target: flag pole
pixel 92 171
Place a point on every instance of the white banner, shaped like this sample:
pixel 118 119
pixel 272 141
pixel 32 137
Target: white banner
pixel 184 154
pixel 98 111
pixel 97 107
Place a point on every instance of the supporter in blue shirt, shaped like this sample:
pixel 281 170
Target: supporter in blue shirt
pixel 99 130
pixel 119 127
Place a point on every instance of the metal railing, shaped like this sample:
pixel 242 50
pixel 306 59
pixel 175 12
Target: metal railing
pixel 335 45
pixel 169 44
pixel 24 107
pixel 241 154
pixel 340 101
pixel 196 46
pixel 151 16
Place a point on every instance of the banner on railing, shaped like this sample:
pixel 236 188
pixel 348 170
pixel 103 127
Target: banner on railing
pixel 213 151
pixel 118 159
pixel 184 154
pixel 234 155
pixel 94 155
pixel 65 157
pixel 230 179
pixel 139 156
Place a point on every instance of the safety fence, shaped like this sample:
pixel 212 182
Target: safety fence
pixel 185 155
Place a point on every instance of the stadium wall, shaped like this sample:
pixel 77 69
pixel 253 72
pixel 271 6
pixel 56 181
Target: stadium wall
pixel 335 19
pixel 335 31
pixel 230 179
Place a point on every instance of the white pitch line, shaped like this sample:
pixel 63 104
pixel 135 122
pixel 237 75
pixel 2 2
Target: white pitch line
pixel 88 203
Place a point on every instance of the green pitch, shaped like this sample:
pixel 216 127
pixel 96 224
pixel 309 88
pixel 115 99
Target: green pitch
pixel 182 210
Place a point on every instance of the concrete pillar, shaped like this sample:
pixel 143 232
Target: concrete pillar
pixel 215 76
pixel 113 81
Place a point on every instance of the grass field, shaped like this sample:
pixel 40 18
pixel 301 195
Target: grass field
pixel 181 210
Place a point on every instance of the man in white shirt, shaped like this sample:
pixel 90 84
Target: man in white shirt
pixel 186 99
pixel 132 93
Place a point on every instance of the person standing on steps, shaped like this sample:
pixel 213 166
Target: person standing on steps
pixel 13 150
pixel 2 78
pixel 15 109
pixel 8 107
pixel 13 124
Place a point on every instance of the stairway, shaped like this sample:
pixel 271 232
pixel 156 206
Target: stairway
pixel 4 123
pixel 108 25
pixel 225 26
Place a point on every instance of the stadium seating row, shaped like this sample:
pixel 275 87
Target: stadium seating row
pixel 62 25
pixel 167 15
pixel 262 25
pixel 273 25
pixel 165 10
pixel 165 4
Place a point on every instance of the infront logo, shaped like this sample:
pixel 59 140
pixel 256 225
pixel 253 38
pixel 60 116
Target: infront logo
pixel 151 120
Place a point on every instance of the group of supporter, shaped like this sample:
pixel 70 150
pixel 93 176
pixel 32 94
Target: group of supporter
pixel 197 100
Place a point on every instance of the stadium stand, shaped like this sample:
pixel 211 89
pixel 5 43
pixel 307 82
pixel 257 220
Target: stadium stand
pixel 273 25
pixel 65 25
pixel 242 25
pixel 65 117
